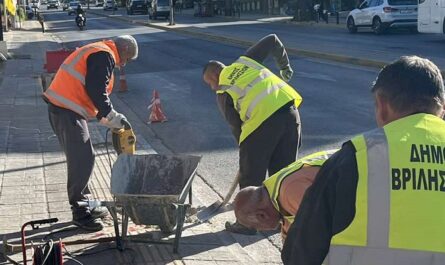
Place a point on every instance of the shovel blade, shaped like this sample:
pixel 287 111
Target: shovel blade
pixel 208 212
pixel 213 210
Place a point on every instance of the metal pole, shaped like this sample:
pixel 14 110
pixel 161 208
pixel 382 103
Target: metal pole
pixel 172 11
pixel 6 15
pixel 1 28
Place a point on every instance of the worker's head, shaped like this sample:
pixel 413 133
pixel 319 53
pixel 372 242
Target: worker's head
pixel 211 73
pixel 254 209
pixel 127 47
pixel 407 86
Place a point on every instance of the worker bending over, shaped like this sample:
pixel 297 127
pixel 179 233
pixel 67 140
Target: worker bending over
pixel 261 109
pixel 278 199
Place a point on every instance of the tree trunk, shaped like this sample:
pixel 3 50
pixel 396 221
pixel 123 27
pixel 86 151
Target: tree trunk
pixel 304 11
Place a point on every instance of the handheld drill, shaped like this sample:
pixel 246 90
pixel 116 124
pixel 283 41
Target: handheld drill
pixel 124 140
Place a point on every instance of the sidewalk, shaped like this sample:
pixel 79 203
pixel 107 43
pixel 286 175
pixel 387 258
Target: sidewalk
pixel 33 177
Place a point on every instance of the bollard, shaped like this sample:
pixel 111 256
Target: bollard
pixel 337 17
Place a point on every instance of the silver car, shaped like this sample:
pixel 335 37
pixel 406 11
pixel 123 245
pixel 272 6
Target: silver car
pixel 380 15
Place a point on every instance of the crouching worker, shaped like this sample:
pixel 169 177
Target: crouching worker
pixel 278 199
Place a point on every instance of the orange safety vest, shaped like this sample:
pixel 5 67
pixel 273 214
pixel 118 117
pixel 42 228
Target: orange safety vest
pixel 68 91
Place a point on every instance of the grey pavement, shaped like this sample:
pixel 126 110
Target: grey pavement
pixel 33 177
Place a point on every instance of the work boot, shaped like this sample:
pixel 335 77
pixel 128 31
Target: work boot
pixel 99 212
pixel 88 223
pixel 238 228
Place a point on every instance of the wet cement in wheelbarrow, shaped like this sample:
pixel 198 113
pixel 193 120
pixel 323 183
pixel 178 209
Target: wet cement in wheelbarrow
pixel 159 175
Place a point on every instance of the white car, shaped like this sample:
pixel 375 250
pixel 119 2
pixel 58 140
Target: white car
pixel 383 14
pixel 35 4
pixel 110 5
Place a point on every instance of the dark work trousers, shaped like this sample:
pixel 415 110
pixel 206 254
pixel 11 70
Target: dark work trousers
pixel 72 131
pixel 271 147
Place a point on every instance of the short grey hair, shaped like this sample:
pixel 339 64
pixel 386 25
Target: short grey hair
pixel 412 84
pixel 128 43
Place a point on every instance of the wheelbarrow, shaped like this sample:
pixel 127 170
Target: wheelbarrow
pixel 152 190
pixel 148 189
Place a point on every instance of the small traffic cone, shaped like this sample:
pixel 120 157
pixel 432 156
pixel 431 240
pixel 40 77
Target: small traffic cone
pixel 156 115
pixel 122 81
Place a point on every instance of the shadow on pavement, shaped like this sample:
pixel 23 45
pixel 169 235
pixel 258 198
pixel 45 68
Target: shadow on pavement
pixel 199 246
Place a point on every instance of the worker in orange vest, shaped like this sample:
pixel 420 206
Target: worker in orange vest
pixel 78 93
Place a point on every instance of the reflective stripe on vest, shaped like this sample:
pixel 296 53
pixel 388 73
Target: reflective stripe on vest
pixel 273 184
pixel 68 87
pixel 256 92
pixel 69 103
pixel 69 67
pixel 402 219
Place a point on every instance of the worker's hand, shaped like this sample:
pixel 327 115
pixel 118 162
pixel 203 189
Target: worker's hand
pixel 113 120
pixel 286 73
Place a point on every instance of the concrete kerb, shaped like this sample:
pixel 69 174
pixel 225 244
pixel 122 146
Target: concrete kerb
pixel 245 43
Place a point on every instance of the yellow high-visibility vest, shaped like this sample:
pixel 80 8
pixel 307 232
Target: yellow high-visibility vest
pixel 400 210
pixel 256 92
pixel 273 184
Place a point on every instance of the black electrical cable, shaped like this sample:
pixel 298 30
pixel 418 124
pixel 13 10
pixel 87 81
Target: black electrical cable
pixel 106 147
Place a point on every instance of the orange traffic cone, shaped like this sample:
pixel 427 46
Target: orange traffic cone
pixel 156 115
pixel 122 81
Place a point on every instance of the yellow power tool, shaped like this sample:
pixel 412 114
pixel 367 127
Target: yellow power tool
pixel 124 140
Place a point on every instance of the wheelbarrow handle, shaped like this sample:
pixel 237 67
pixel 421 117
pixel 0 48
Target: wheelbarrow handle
pixel 43 221
pixel 35 225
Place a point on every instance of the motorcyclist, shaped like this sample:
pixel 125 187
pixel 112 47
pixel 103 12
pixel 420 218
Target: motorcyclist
pixel 80 11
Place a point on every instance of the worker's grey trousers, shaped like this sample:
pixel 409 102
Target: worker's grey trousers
pixel 271 147
pixel 72 131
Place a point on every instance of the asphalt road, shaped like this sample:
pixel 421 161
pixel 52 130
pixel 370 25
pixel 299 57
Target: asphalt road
pixel 331 39
pixel 337 103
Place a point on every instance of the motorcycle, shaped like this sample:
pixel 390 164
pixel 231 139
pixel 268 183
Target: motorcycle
pixel 80 21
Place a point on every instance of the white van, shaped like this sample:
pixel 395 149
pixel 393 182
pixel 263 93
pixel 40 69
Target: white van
pixel 431 16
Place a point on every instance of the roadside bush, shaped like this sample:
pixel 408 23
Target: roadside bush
pixel 21 13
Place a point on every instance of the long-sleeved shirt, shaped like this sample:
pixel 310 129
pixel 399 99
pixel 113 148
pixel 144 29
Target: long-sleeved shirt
pixel 328 207
pixel 267 46
pixel 100 66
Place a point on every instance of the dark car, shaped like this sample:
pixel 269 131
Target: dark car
pixel 137 6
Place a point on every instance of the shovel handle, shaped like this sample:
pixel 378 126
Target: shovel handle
pixel 231 190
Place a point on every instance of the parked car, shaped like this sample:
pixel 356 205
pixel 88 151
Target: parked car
pixel 100 3
pixel 110 5
pixel 29 12
pixel 35 4
pixel 65 5
pixel 383 14
pixel 43 2
pixel 159 8
pixel 72 7
pixel 52 4
pixel 137 6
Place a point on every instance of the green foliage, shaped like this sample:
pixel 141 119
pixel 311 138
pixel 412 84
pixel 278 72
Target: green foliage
pixel 21 13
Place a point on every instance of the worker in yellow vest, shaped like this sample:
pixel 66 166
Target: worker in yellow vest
pixel 278 199
pixel 380 199
pixel 78 93
pixel 261 109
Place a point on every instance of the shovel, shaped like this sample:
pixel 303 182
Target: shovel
pixel 214 208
